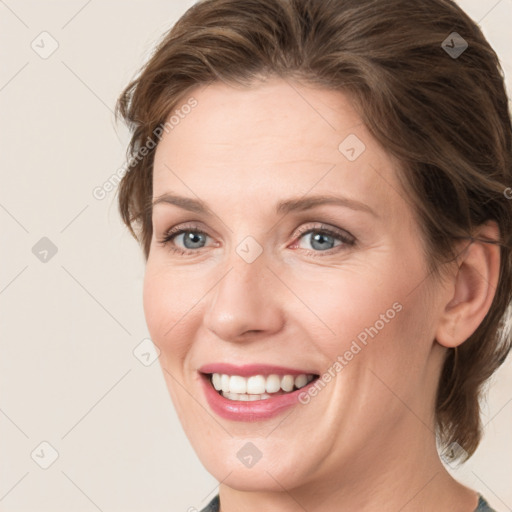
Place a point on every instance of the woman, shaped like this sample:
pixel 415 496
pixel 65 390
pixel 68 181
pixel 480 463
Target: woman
pixel 320 191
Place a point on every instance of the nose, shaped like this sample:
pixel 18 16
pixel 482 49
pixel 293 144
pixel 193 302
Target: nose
pixel 245 303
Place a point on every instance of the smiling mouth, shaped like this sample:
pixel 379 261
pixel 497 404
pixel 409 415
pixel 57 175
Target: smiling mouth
pixel 257 387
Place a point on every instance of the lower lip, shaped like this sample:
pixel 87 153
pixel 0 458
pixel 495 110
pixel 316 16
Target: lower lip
pixel 258 410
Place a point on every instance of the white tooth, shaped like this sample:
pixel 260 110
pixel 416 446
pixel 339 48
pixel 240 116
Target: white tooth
pixel 237 384
pixel 256 385
pixel 273 384
pixel 224 381
pixel 243 398
pixel 287 382
pixel 301 381
pixel 216 381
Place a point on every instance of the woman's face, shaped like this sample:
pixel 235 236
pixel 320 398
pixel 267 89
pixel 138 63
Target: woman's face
pixel 273 280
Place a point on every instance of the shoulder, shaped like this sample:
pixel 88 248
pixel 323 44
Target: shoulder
pixel 483 506
pixel 213 506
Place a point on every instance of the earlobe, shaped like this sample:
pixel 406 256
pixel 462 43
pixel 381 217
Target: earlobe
pixel 473 287
pixel 453 326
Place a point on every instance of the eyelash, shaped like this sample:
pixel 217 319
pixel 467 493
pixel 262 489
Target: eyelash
pixel 344 237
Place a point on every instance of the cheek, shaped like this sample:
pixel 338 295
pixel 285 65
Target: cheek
pixel 348 305
pixel 156 294
pixel 377 318
pixel 397 337
pixel 170 302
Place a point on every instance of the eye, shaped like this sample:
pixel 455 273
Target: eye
pixel 190 237
pixel 323 239
pixel 188 240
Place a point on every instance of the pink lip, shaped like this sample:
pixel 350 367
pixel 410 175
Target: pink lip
pixel 258 410
pixel 251 369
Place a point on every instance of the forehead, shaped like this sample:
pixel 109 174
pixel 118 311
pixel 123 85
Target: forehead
pixel 273 137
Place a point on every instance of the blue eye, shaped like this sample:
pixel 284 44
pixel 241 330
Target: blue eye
pixel 322 239
pixel 192 239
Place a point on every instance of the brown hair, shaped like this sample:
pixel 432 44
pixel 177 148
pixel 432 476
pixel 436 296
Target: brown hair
pixel 443 115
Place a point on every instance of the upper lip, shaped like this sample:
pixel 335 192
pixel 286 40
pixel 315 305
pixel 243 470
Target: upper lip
pixel 247 370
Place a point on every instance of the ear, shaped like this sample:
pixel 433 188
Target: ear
pixel 472 288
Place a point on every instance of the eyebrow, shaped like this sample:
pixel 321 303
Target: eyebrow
pixel 283 207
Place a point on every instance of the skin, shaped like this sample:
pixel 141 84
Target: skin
pixel 366 441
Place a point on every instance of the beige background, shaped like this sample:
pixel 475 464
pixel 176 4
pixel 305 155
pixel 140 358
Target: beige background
pixel 69 326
